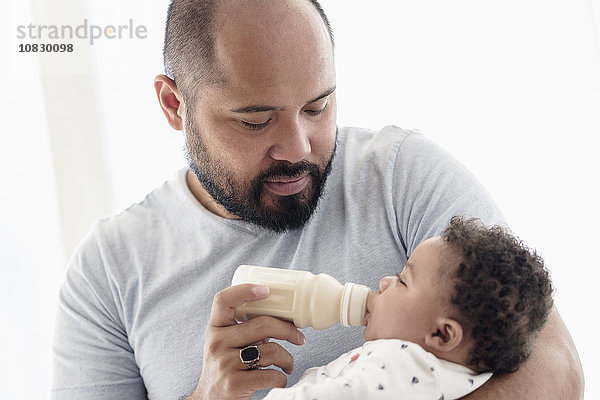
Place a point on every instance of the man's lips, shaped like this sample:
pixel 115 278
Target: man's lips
pixel 286 185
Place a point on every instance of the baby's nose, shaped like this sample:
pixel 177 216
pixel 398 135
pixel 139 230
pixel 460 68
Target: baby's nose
pixel 385 282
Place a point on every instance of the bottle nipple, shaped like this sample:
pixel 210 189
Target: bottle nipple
pixel 354 304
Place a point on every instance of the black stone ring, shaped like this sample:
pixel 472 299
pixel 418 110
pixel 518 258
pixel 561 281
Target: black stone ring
pixel 250 355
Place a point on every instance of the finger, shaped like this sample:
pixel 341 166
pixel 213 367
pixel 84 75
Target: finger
pixel 257 330
pixel 259 379
pixel 265 340
pixel 275 354
pixel 224 303
pixel 268 354
pixel 263 327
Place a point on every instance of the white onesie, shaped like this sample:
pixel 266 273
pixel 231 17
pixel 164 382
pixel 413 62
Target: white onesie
pixel 384 369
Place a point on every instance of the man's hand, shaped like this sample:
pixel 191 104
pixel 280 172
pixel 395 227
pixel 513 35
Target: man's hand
pixel 224 376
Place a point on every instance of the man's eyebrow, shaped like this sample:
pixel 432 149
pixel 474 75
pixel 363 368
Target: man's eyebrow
pixel 324 94
pixel 257 108
pixel 253 109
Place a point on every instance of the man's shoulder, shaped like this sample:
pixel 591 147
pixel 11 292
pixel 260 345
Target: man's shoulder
pixel 117 244
pixel 366 152
pixel 146 217
pixel 351 136
pixel 382 145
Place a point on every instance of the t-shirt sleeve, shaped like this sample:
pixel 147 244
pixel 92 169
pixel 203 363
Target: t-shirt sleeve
pixel 92 358
pixel 430 187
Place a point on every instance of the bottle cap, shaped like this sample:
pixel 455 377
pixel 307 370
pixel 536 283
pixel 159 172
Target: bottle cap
pixel 242 275
pixel 354 304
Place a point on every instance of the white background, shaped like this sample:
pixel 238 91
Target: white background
pixel 511 88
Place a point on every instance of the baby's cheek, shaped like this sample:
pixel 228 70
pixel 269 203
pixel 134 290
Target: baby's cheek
pixel 380 330
pixel 368 333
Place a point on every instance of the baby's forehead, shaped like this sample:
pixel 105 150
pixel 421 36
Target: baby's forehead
pixel 433 259
pixel 429 251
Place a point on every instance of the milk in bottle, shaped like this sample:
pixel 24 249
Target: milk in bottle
pixel 319 301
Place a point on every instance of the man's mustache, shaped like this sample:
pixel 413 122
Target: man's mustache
pixel 288 170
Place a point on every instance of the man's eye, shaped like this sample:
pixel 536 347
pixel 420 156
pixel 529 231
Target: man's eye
pixel 317 112
pixel 255 126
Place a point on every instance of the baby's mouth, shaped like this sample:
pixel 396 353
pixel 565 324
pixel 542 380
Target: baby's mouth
pixel 368 312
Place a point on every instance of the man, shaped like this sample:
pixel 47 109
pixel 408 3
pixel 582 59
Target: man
pixel 271 182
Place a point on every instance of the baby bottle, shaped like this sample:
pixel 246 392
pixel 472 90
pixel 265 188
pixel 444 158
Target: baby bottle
pixel 319 301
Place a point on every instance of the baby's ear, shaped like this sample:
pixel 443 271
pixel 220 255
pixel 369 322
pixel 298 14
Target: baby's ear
pixel 445 335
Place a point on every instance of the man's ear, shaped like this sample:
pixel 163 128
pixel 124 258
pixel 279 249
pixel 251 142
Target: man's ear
pixel 445 335
pixel 170 100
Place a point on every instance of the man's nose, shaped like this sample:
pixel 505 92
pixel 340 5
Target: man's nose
pixel 292 143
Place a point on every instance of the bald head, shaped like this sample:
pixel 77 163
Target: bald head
pixel 204 39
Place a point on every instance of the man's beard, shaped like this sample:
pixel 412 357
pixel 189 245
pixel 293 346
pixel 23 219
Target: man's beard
pixel 245 199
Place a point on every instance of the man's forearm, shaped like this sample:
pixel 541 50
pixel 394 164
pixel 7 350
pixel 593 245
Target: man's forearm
pixel 553 371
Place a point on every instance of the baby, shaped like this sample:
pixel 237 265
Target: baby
pixel 467 303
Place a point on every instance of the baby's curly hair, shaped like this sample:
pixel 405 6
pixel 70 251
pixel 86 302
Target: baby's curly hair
pixel 501 289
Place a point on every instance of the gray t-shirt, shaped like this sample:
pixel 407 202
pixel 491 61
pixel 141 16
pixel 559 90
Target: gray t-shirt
pixel 138 292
